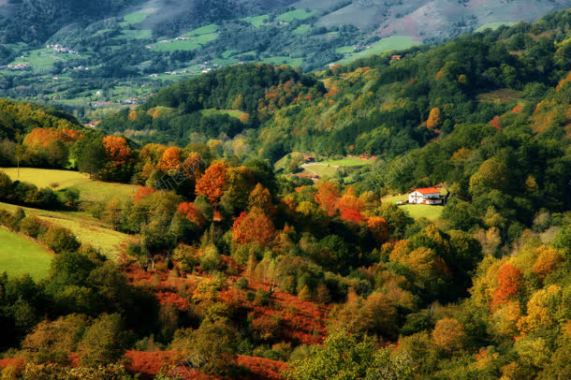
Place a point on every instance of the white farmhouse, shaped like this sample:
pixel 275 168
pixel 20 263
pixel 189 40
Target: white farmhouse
pixel 426 196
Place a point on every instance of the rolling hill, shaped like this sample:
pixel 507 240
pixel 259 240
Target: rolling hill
pixel 94 58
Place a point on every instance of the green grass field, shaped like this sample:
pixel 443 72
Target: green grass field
pixel 19 256
pixel 494 25
pixel 330 167
pixel 297 14
pixel 283 60
pixel 432 213
pixel 87 229
pixel 90 190
pixel 257 21
pixel 232 113
pixel 385 45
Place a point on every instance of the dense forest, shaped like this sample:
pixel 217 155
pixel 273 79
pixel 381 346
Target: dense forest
pixel 235 269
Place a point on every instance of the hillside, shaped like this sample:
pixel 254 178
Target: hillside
pixel 104 57
pixel 376 106
pixel 250 223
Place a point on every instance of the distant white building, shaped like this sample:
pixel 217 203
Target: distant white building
pixel 426 196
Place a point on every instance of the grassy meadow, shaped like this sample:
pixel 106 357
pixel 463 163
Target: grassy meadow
pixel 86 228
pixel 90 190
pixel 432 213
pixel 330 167
pixel 19 256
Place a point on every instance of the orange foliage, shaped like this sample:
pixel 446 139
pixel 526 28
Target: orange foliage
pixel 547 260
pixel 117 149
pixel 518 108
pixel 496 122
pixel 448 334
pixel 351 207
pixel 191 213
pixel 433 118
pixel 509 283
pixel 327 197
pixel 244 117
pixel 143 193
pixel 170 160
pixel 253 227
pixel 43 137
pixel 212 183
pixel 378 227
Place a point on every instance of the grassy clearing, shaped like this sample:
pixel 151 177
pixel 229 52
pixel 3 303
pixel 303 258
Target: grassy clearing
pixel 90 190
pixel 43 60
pixel 137 34
pixel 330 167
pixel 297 14
pixel 383 46
pixel 432 213
pixel 203 30
pixel 302 29
pixel 284 60
pixel 232 113
pixel 257 21
pixel 19 256
pixel 502 96
pixel 494 25
pixel 137 17
pixel 87 229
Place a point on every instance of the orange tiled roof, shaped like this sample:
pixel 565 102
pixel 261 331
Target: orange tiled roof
pixel 428 190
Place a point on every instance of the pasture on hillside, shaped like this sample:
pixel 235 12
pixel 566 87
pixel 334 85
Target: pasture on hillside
pixel 87 229
pixel 329 168
pixel 432 213
pixel 20 255
pixel 90 190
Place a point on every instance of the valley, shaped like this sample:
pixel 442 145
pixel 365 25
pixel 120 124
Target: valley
pixel 366 214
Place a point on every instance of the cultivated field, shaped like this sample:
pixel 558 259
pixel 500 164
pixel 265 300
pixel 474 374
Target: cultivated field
pixel 19 256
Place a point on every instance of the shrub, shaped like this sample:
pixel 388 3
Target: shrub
pixel 60 240
pixel 32 226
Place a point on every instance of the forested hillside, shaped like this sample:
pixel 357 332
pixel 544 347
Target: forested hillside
pixel 91 57
pixel 226 261
pixel 378 106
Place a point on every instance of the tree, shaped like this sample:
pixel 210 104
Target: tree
pixel 253 227
pixel 211 347
pixel 327 197
pixel 55 341
pixel 261 198
pixel 103 341
pixel 90 155
pixel 433 118
pixel 351 207
pixel 448 334
pixel 60 240
pixel 509 283
pixel 212 183
pixel 378 227
pixel 171 160
pixel 191 213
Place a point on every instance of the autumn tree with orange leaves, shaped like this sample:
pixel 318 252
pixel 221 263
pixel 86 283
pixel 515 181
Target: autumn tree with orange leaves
pixel 211 185
pixel 253 227
pixel 327 197
pixel 509 283
pixel 351 207
pixel 170 161
pixel 191 213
